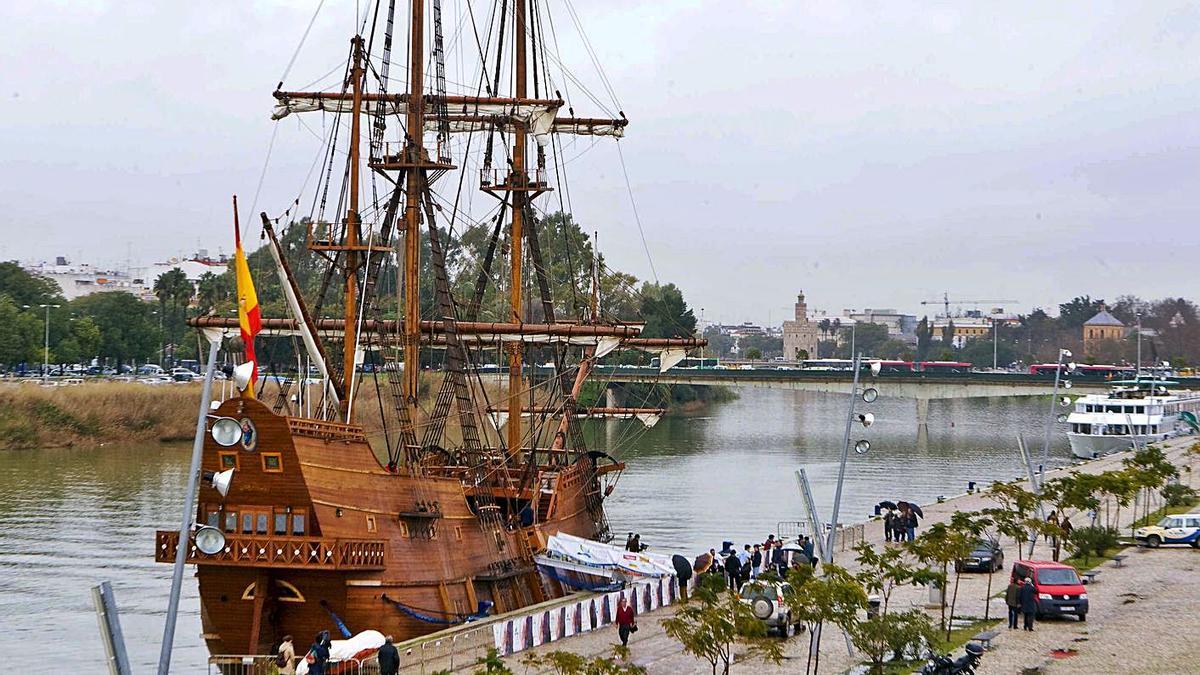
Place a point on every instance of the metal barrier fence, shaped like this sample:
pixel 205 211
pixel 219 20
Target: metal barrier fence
pixel 848 536
pixel 259 664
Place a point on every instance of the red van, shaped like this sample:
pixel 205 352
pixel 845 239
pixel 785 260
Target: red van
pixel 1059 589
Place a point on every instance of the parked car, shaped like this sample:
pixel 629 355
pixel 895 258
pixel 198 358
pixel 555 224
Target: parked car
pixel 1059 588
pixel 1181 528
pixel 182 375
pixel 766 601
pixel 987 556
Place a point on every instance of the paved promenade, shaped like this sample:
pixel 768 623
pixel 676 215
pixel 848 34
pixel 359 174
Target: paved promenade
pixel 1142 616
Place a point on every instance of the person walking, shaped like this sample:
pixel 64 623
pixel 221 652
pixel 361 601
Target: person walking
pixel 1029 603
pixel 1012 598
pixel 1064 535
pixel 318 654
pixel 285 659
pixel 626 620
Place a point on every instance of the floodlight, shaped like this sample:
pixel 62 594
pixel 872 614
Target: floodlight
pixel 876 367
pixel 862 447
pixel 220 481
pixel 866 419
pixel 242 375
pixel 226 432
pixel 209 540
pixel 870 394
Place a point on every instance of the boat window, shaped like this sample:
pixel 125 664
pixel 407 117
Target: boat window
pixel 231 521
pixel 272 462
pixel 213 518
pixel 281 522
pixel 298 523
pixel 229 460
pixel 371 526
pixel 261 525
pixel 247 523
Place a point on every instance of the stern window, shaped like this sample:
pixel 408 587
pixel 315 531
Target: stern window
pixel 272 462
pixel 298 523
pixel 280 522
pixel 229 460
pixel 231 521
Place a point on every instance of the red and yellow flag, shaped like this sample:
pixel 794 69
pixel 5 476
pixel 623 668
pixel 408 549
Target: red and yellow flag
pixel 249 317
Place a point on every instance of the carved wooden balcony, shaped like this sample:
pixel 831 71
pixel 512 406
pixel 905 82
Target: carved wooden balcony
pixel 278 551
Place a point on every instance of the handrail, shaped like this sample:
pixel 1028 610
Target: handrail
pixel 281 551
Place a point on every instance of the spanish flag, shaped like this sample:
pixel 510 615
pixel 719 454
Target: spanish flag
pixel 249 317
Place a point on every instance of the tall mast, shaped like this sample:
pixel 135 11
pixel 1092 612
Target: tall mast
pixel 414 152
pixel 351 245
pixel 517 180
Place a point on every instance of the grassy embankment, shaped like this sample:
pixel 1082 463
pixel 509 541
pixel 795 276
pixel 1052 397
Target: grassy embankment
pixel 99 413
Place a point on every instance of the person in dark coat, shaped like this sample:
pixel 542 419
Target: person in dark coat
pixel 1012 598
pixel 1029 603
pixel 733 570
pixel 889 524
pixel 809 552
pixel 389 658
pixel 320 653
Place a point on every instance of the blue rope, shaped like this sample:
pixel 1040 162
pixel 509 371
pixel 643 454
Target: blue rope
pixel 459 618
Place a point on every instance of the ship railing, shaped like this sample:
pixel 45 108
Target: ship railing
pixel 263 664
pixel 280 551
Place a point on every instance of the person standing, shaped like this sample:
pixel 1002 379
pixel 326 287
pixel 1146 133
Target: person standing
pixel 733 570
pixel 809 552
pixel 756 562
pixel 318 654
pixel 1029 606
pixel 889 522
pixel 1064 528
pixel 286 656
pixel 910 525
pixel 389 658
pixel 626 620
pixel 1012 598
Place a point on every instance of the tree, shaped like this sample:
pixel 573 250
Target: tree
pixel 924 338
pixel 20 333
pixel 24 288
pixel 940 545
pixel 967 528
pixel 1017 509
pixel 1073 314
pixel 834 596
pixel 754 354
pixel 716 620
pixel 883 571
pixel 1149 470
pixel 895 633
pixel 665 312
pixel 869 338
pixel 562 662
pixel 126 327
pixel 948 335
pixel 214 292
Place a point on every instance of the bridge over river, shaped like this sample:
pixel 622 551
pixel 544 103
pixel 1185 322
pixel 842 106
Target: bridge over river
pixel 920 387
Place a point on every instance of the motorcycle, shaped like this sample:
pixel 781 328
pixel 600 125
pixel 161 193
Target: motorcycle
pixel 942 664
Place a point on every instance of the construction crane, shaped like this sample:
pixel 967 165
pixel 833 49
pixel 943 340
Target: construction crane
pixel 946 302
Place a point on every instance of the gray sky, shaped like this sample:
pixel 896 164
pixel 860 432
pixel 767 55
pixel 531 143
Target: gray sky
pixel 871 153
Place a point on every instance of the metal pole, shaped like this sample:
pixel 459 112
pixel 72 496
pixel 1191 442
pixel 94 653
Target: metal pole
pixel 46 351
pixel 1033 483
pixel 837 495
pixel 1138 376
pixel 185 526
pixel 110 629
pixel 995 344
pixel 1050 419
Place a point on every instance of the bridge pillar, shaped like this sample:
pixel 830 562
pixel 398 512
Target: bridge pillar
pixel 922 412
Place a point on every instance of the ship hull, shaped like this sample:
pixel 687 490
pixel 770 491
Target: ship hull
pixel 1088 446
pixel 329 539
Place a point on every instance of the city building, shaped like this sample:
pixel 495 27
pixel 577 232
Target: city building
pixel 966 328
pixel 800 334
pixel 1100 328
pixel 899 326
pixel 76 280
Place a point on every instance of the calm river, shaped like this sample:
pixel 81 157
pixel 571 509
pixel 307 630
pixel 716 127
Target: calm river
pixel 72 518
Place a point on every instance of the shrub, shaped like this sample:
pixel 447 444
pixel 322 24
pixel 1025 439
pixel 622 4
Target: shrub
pixel 1088 541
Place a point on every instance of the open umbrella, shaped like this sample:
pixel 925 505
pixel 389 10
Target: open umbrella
pixel 885 504
pixel 916 509
pixel 703 562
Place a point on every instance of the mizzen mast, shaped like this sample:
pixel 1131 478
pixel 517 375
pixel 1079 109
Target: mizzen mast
pixel 518 180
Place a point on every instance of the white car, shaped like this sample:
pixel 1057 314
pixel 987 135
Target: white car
pixel 1183 528
pixel 768 605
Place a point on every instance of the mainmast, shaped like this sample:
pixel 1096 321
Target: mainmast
pixel 413 157
pixel 350 313
pixel 518 180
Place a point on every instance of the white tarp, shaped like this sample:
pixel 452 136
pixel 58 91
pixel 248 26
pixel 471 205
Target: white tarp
pixel 588 552
pixel 359 646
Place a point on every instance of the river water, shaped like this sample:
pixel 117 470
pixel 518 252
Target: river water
pixel 74 517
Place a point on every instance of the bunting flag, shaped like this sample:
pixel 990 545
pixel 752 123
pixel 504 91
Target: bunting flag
pixel 249 317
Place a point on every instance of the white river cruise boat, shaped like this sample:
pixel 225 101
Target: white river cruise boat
pixel 1144 411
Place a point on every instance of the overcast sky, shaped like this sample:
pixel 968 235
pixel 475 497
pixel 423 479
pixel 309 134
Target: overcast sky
pixel 872 154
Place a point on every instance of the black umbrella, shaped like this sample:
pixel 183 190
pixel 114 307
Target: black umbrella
pixel 683 568
pixel 916 509
pixel 885 504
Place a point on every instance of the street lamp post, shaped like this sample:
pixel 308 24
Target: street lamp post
pixel 1050 419
pixel 46 348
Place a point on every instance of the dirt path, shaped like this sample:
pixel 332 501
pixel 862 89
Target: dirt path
pixel 1158 632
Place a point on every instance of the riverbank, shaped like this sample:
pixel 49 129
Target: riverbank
pixel 1133 608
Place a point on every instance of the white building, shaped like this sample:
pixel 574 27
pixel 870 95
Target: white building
pixel 76 280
